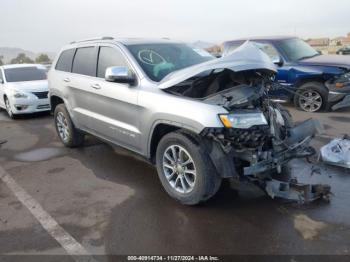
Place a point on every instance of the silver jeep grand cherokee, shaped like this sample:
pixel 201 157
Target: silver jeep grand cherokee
pixel 197 118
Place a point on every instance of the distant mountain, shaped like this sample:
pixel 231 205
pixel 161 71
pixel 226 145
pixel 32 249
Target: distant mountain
pixel 11 52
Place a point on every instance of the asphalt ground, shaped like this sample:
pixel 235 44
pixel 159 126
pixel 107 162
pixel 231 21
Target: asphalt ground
pixel 102 200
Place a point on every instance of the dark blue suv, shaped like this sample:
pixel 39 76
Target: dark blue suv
pixel 311 80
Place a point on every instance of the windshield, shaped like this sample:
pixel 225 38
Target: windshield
pixel 21 74
pixel 159 60
pixel 297 49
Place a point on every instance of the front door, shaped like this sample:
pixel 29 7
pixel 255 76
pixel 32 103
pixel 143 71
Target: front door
pixel 114 110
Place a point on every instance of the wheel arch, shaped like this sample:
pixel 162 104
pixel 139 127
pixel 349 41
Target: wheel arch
pixel 316 78
pixel 158 131
pixel 222 162
pixel 55 101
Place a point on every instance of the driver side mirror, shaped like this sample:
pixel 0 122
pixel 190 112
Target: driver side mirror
pixel 277 61
pixel 120 74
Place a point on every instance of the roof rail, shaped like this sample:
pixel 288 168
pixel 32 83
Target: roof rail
pixel 93 39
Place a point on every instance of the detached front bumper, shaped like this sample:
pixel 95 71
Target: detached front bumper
pixel 340 98
pixel 344 102
pixel 297 147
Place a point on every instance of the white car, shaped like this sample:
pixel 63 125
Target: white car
pixel 23 89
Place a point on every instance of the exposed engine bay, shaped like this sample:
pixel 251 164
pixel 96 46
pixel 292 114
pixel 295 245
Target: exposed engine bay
pixel 259 137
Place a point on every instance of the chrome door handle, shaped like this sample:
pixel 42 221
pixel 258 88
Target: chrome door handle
pixel 96 86
pixel 66 80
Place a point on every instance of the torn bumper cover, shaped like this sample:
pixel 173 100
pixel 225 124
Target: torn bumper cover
pixel 340 98
pixel 345 102
pixel 297 142
pixel 298 147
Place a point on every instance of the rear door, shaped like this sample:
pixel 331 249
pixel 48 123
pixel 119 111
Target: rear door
pixel 115 114
pixel 80 85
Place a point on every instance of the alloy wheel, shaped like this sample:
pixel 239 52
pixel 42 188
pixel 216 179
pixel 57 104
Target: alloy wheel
pixel 62 126
pixel 310 101
pixel 179 169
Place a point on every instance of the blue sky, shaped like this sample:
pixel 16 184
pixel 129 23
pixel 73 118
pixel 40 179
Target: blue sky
pixel 46 25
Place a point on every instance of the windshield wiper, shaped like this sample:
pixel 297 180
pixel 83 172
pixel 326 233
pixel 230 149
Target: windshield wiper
pixel 310 56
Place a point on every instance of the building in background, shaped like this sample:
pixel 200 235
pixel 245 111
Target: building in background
pixel 329 46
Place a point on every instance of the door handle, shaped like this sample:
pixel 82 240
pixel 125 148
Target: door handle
pixel 96 86
pixel 66 80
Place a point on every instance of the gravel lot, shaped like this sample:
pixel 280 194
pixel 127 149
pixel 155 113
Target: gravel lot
pixel 111 202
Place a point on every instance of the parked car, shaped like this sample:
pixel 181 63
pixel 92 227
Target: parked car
pixel 23 89
pixel 344 50
pixel 197 118
pixel 320 81
pixel 47 66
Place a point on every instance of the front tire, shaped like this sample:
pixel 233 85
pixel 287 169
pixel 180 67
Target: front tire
pixel 185 169
pixel 8 108
pixel 311 97
pixel 68 134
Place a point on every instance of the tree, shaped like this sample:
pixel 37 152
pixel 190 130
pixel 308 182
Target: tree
pixel 42 59
pixel 1 62
pixel 22 59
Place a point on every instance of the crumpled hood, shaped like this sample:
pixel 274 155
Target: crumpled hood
pixel 29 86
pixel 246 57
pixel 328 60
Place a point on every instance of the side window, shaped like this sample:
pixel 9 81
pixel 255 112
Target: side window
pixel 269 50
pixel 85 61
pixel 65 61
pixel 109 56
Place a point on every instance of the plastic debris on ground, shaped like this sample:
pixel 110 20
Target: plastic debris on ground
pixel 337 152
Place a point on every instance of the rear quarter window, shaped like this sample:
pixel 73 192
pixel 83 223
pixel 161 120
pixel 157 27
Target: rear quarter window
pixel 65 61
pixel 85 61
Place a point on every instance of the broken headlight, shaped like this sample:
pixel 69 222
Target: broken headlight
pixel 342 80
pixel 243 120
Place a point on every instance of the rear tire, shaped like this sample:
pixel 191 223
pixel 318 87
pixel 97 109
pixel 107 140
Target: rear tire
pixel 69 135
pixel 313 97
pixel 172 173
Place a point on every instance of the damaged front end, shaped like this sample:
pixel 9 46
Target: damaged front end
pixel 259 151
pixel 258 138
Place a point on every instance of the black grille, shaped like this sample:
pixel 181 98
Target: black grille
pixel 248 138
pixel 41 95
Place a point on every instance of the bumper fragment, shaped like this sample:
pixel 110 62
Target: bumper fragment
pixel 292 190
pixel 345 102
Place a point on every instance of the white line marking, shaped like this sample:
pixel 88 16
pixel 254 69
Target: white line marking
pixel 71 246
